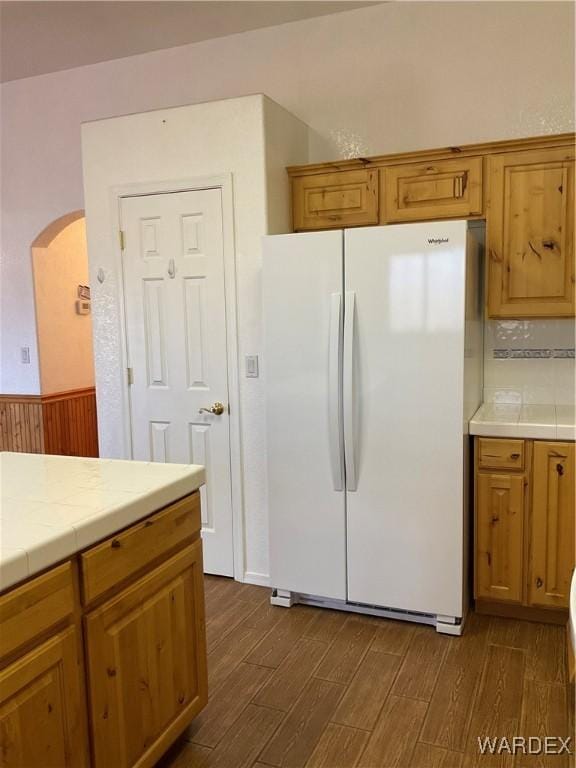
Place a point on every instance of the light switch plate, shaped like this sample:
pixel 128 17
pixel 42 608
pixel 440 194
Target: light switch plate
pixel 25 355
pixel 251 366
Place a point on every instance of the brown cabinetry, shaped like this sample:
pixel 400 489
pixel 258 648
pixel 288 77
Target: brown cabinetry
pixel 42 713
pixel 335 200
pixel 553 530
pixel 140 625
pixel 41 707
pixel 524 189
pixel 524 520
pixel 434 190
pixel 530 234
pixel 146 662
pixel 499 536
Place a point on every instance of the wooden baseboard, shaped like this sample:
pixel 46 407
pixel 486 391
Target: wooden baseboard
pixel 524 612
pixel 63 423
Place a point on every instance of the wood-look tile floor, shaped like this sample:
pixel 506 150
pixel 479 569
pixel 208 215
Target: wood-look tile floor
pixel 311 688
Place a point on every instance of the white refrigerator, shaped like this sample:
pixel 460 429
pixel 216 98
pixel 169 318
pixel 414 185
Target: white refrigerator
pixel 373 367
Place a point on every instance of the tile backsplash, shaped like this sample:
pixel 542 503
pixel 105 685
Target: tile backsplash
pixel 529 361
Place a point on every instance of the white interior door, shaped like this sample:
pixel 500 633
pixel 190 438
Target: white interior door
pixel 173 262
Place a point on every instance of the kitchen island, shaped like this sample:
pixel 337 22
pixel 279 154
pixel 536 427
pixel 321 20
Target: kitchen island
pixel 102 633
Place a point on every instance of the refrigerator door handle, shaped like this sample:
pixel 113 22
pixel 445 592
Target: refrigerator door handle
pixel 334 404
pixel 348 389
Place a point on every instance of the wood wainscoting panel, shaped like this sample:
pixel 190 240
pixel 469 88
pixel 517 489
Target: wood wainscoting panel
pixel 70 427
pixel 21 423
pixel 63 423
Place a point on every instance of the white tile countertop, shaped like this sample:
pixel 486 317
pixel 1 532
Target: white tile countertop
pixel 53 506
pixel 538 422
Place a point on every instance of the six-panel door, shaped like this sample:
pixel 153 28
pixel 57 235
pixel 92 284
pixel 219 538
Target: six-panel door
pixel 41 709
pixel 146 662
pixel 552 533
pixel 530 234
pixel 174 285
pixel 499 536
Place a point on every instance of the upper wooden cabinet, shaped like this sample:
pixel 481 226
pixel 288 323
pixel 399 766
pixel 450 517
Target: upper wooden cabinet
pixel 530 238
pixel 442 189
pixel 553 530
pixel 524 188
pixel 335 200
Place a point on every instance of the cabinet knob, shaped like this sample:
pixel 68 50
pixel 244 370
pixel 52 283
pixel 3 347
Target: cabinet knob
pixel 560 469
pixel 539 582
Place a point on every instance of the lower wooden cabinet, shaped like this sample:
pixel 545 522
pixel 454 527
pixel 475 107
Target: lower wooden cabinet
pixel 146 661
pixel 41 707
pixel 552 530
pixel 524 522
pixel 104 671
pixel 500 536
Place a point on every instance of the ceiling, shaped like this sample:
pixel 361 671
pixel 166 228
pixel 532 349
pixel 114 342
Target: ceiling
pixel 41 37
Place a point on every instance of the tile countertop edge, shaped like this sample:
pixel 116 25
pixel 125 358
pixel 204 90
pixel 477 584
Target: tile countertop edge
pixel 19 562
pixel 528 422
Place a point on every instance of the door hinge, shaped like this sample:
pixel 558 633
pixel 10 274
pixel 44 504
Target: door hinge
pixel 130 376
pixel 122 239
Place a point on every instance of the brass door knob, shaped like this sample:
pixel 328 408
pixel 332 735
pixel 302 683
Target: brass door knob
pixel 217 409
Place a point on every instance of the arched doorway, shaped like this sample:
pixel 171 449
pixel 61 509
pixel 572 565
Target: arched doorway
pixel 64 332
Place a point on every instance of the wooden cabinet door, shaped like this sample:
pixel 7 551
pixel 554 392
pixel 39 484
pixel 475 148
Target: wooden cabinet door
pixel 41 710
pixel 531 234
pixel 552 531
pixel 499 536
pixel 146 653
pixel 435 190
pixel 335 200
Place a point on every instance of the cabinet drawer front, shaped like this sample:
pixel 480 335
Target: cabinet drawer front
pixel 500 454
pixel 125 555
pixel 33 608
pixel 335 200
pixel 146 655
pixel 499 536
pixel 553 526
pixel 445 189
pixel 530 234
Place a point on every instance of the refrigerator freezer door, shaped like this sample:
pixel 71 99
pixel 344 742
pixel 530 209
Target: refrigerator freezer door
pixel 303 315
pixel 405 517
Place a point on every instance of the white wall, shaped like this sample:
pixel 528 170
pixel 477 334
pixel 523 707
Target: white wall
pixel 250 138
pixel 64 336
pixel 392 77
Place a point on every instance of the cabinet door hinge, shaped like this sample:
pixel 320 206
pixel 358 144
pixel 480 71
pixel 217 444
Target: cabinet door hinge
pixel 130 376
pixel 122 239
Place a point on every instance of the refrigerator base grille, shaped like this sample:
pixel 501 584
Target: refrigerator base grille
pixel 450 625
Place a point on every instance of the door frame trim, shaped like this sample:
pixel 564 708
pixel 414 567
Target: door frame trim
pixel 223 182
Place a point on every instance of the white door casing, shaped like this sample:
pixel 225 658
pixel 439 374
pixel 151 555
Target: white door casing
pixel 175 321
